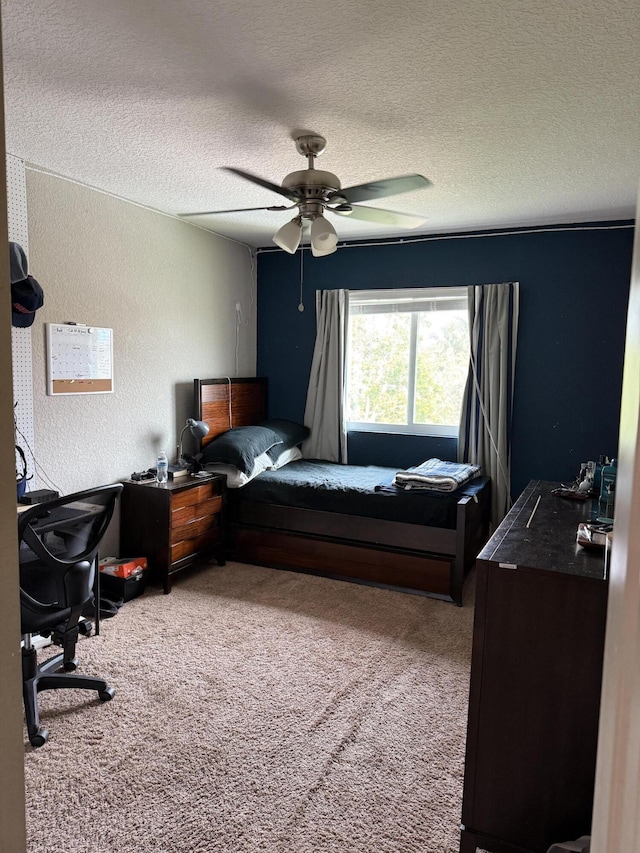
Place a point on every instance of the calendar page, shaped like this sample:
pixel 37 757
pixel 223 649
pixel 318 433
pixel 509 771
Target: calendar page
pixel 79 359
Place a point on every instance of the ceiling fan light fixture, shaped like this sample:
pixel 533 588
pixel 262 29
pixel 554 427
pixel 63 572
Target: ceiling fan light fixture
pixel 288 237
pixel 324 239
pixel 320 253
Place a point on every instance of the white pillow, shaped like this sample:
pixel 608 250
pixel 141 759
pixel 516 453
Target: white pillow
pixel 287 456
pixel 236 478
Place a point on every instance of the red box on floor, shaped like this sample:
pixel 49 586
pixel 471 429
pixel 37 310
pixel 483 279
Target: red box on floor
pixel 123 568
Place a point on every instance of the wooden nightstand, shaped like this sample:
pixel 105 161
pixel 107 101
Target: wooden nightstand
pixel 173 525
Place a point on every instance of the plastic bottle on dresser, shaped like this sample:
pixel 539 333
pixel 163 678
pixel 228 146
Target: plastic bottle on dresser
pixel 608 488
pixel 608 477
pixel 602 461
pixel 162 466
pixel 610 501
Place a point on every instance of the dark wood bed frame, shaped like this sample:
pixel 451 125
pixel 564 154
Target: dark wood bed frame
pixel 409 557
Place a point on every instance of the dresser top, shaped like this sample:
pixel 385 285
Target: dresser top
pixel 187 482
pixel 549 540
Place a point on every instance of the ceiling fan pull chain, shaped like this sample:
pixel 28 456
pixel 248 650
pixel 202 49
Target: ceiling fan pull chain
pixel 301 303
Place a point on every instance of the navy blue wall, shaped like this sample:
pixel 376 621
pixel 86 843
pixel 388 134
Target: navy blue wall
pixel 574 287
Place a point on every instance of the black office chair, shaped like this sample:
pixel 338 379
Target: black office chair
pixel 58 554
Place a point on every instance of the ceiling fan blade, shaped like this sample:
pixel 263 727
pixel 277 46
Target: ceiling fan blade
pixel 237 210
pixel 380 189
pixel 268 185
pixel 382 217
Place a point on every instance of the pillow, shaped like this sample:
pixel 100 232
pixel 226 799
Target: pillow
pixel 290 433
pixel 285 457
pixel 240 447
pixel 236 478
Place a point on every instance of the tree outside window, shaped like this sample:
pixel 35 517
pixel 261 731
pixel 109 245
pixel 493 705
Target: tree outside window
pixel 407 360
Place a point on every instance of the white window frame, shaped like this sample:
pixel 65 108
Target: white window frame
pixel 413 300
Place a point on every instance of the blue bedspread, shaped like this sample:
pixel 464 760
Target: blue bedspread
pixel 351 490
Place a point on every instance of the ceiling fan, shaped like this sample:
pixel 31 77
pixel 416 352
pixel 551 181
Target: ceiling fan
pixel 314 192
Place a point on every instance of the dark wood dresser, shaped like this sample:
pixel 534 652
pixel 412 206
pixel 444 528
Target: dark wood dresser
pixel 173 525
pixel 538 643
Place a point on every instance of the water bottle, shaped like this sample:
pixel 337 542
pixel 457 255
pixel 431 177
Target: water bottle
pixel 609 504
pixel 602 461
pixel 162 466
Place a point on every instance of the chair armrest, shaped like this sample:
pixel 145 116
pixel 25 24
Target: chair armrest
pixel 37 606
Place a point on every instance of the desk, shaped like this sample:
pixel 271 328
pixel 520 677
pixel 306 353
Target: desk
pixel 536 671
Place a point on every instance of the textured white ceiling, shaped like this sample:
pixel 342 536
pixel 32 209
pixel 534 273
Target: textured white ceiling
pixel 520 113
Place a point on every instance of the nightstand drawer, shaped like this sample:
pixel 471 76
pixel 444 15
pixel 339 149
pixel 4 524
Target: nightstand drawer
pixel 194 528
pixel 187 547
pixel 195 495
pixel 184 514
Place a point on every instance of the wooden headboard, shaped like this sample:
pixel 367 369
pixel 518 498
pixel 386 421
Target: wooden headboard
pixel 226 403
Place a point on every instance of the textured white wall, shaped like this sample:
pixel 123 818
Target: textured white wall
pixel 169 292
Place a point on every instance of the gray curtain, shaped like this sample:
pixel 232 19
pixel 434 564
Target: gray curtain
pixel 324 411
pixel 485 424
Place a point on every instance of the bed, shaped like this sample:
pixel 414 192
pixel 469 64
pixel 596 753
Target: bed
pixel 360 530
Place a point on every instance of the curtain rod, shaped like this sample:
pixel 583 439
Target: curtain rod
pixel 401 241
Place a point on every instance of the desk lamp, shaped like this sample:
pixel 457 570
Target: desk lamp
pixel 198 429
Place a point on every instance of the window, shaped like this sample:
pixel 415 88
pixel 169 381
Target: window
pixel 407 360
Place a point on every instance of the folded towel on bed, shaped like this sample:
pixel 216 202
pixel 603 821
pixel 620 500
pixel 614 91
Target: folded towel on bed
pixel 436 475
pixel 470 489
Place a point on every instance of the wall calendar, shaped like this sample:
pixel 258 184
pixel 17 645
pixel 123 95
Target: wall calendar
pixel 79 359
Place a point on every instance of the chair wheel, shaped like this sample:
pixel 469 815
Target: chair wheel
pixel 106 695
pixel 39 738
pixel 85 628
pixel 70 665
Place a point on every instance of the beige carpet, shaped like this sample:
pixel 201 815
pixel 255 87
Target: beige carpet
pixel 260 711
